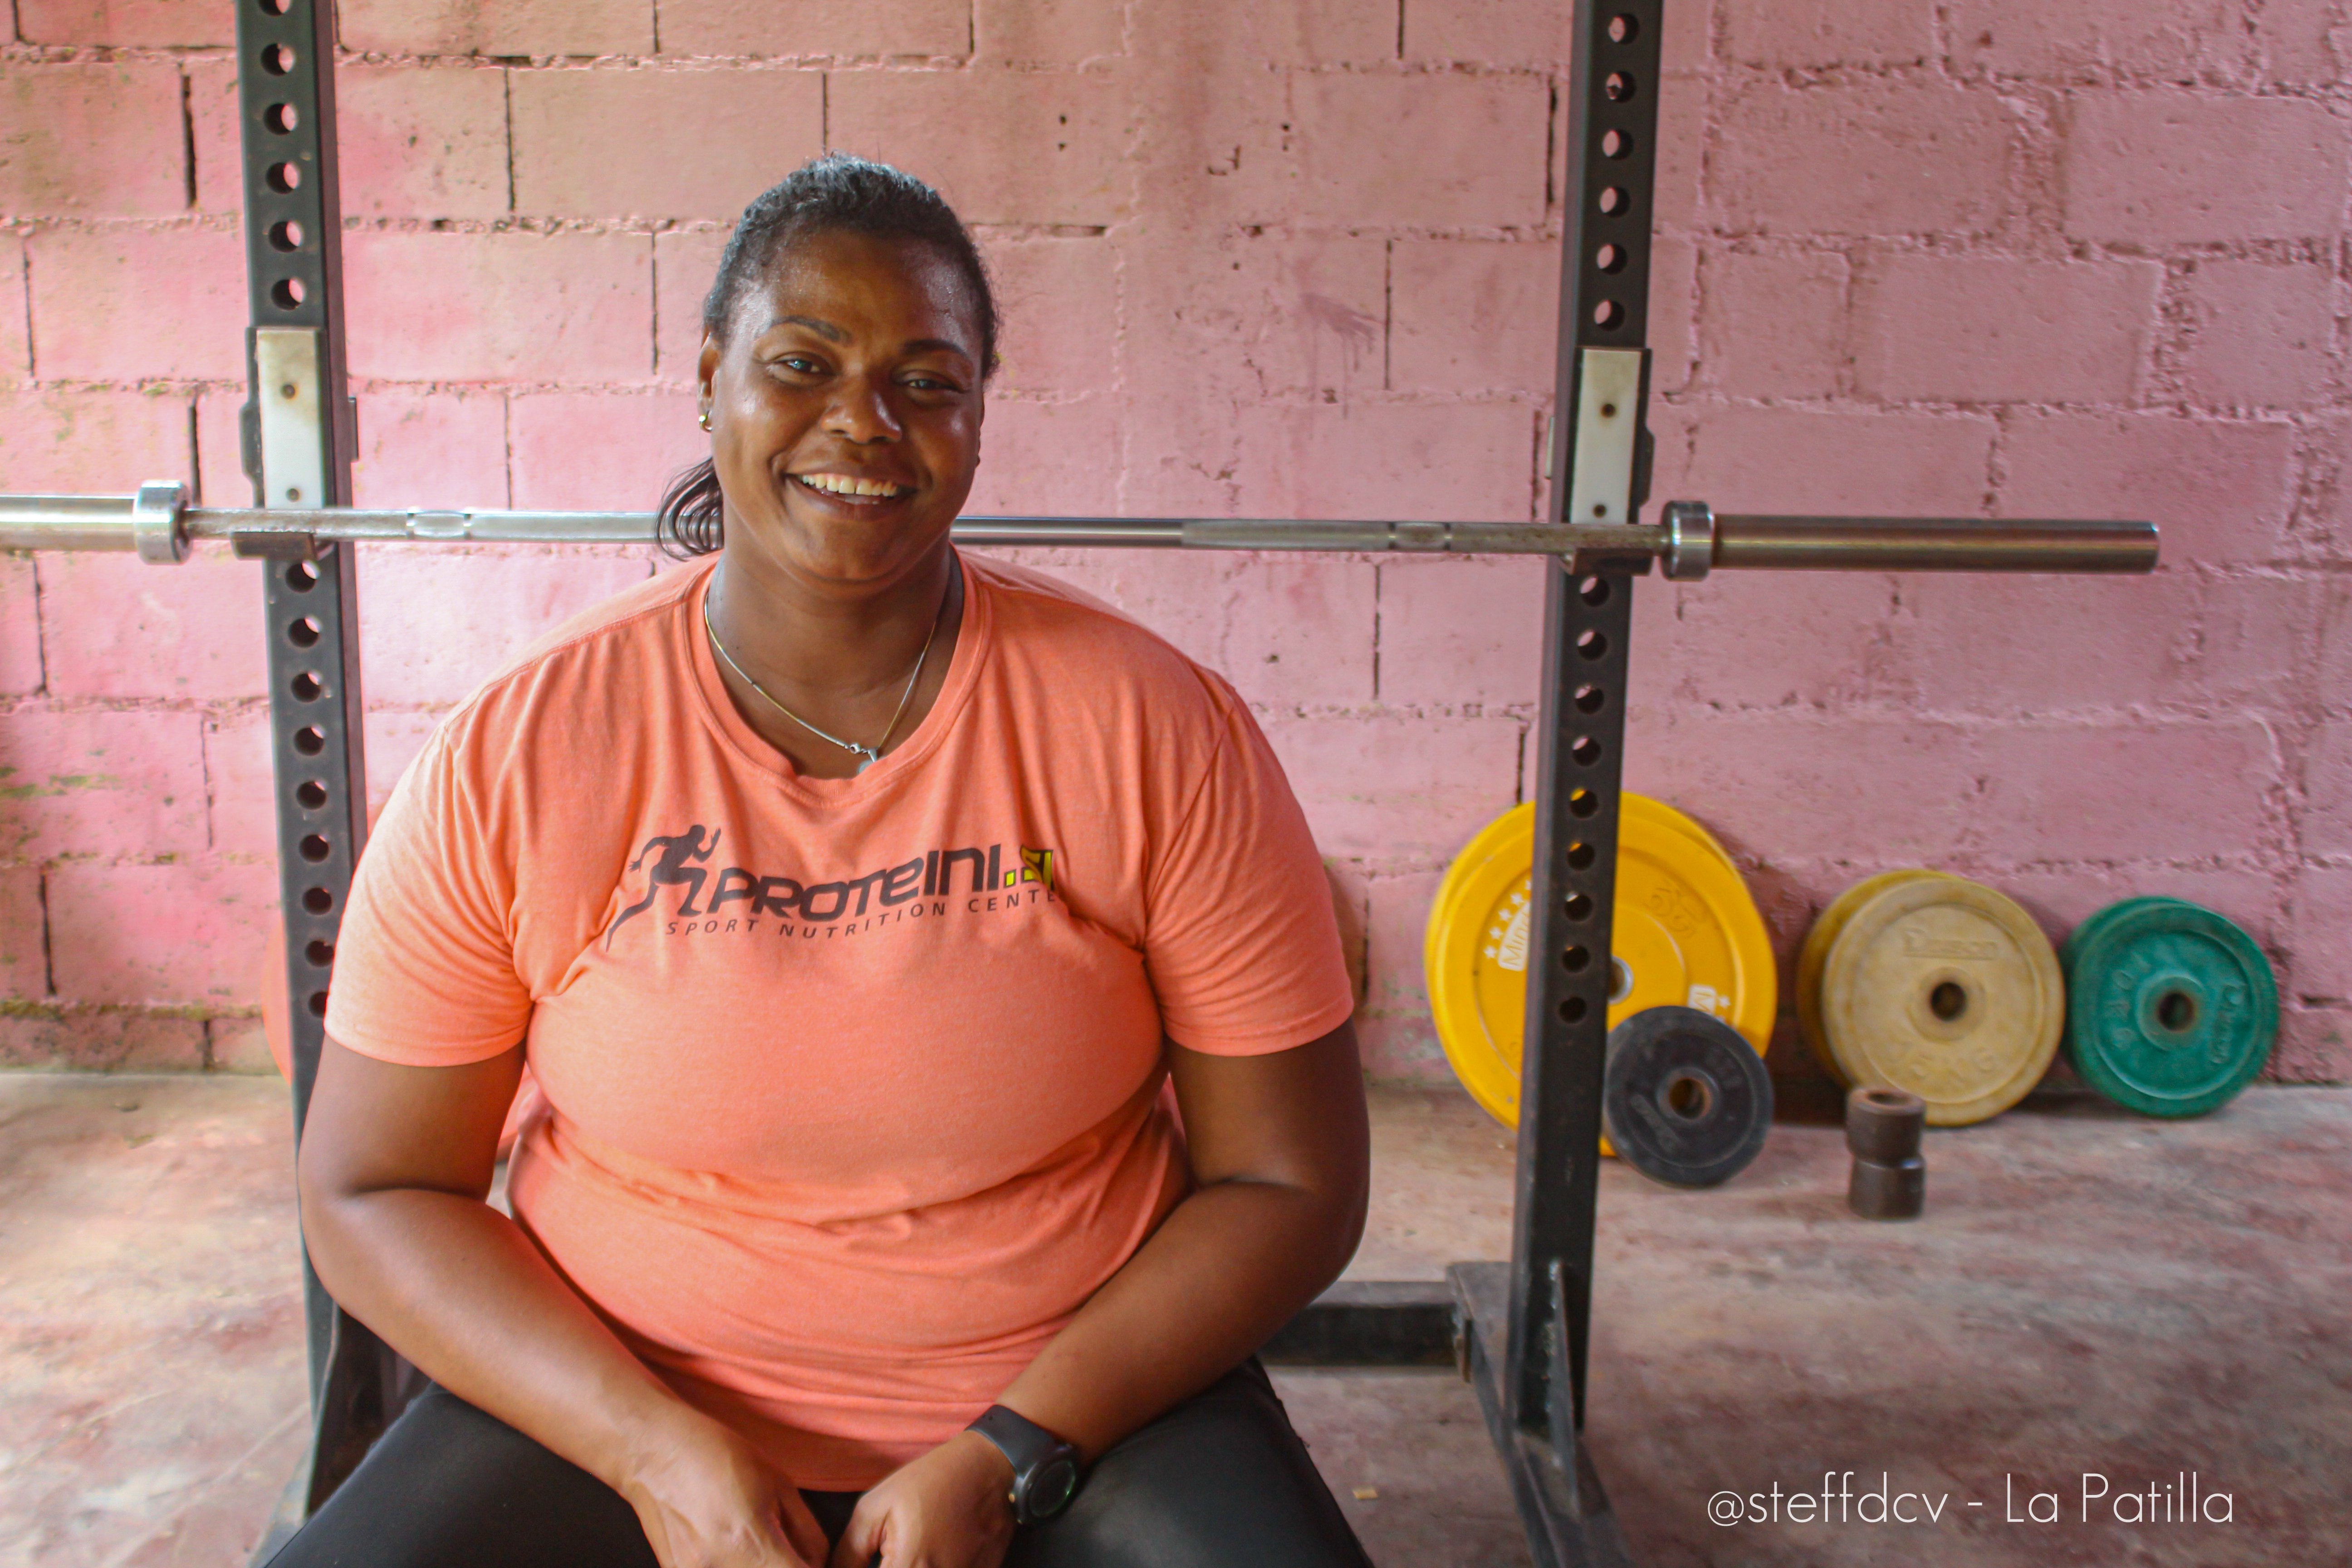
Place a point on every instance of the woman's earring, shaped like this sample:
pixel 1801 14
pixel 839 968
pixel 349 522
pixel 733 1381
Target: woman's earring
pixel 706 419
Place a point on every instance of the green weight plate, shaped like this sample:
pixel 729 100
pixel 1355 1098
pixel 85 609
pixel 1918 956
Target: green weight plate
pixel 2171 1008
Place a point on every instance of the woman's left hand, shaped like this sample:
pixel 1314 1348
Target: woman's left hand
pixel 947 1510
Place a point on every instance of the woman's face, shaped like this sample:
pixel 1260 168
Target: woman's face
pixel 846 407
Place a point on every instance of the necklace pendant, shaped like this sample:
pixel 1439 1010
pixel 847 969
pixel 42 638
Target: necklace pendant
pixel 866 759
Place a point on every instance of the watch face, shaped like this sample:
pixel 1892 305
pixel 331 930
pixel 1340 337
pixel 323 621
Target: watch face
pixel 1051 1486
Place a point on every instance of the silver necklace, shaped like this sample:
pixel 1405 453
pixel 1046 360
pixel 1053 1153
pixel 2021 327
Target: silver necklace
pixel 872 753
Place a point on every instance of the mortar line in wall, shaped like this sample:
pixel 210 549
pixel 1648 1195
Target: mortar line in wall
pixel 188 140
pixel 824 111
pixel 1380 577
pixel 195 454
pixel 49 944
pixel 24 276
pixel 506 97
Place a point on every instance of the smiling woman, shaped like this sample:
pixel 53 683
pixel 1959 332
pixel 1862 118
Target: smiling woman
pixel 857 908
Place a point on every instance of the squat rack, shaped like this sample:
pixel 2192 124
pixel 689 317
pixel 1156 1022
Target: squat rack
pixel 1518 1331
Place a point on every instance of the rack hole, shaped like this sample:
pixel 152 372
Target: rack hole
pixel 1587 751
pixel 1583 803
pixel 1610 258
pixel 317 1003
pixel 1623 29
pixel 1593 591
pixel 1612 200
pixel 321 953
pixel 278 59
pixel 315 848
pixel 1571 1011
pixel 311 793
pixel 286 293
pixel 306 687
pixel 1580 907
pixel 283 178
pixel 1608 313
pixel 1948 1000
pixel 287 236
pixel 281 117
pixel 309 740
pixel 318 900
pixel 273 7
pixel 1591 645
pixel 1581 857
pixel 304 632
pixel 1575 958
pixel 1615 144
pixel 1618 85
pixel 301 576
pixel 1590 700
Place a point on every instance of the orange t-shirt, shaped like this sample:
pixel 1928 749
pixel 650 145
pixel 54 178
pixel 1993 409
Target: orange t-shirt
pixel 853 1087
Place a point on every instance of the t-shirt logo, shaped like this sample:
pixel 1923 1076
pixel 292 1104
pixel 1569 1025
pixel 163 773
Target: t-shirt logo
pixel 674 869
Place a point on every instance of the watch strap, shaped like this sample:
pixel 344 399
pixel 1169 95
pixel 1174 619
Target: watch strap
pixel 1034 1454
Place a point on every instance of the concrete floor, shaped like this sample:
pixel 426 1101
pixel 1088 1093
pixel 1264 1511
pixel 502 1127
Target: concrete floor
pixel 2089 1293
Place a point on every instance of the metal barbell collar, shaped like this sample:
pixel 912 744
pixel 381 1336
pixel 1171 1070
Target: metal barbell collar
pixel 1690 540
pixel 158 529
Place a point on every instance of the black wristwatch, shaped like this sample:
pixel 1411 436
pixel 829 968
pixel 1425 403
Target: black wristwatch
pixel 1044 1468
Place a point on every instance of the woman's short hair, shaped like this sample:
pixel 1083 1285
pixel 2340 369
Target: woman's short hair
pixel 837 193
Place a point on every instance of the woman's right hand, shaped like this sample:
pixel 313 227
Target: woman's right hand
pixel 706 1502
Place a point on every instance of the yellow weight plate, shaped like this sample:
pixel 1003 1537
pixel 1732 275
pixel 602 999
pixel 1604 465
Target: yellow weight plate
pixel 1816 952
pixel 1947 988
pixel 1686 933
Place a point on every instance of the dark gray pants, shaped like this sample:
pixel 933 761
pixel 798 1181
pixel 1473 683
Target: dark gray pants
pixel 1221 1482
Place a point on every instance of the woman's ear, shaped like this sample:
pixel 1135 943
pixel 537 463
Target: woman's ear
pixel 705 369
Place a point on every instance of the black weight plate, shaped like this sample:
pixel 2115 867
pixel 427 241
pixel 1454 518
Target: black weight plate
pixel 1687 1100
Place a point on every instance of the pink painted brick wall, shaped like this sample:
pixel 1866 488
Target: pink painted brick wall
pixel 1983 257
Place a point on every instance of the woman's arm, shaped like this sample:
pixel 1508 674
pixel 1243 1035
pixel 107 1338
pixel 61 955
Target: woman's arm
pixel 1281 1151
pixel 394 1172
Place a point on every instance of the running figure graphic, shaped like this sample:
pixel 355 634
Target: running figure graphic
pixel 674 869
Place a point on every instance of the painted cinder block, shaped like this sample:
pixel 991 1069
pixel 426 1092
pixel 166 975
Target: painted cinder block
pixel 2324 813
pixel 220 447
pixel 593 451
pixel 2164 38
pixel 2319 934
pixel 657 142
pixel 1203 38
pixel 438 449
pixel 1775 324
pixel 1783 785
pixel 686 265
pixel 91 140
pixel 1213 149
pixel 20 627
pixel 214 136
pixel 1461 634
pixel 1397 788
pixel 176 934
pixel 1747 459
pixel 1811 34
pixel 1908 159
pixel 1782 640
pixel 112 626
pixel 2216 487
pixel 1473 315
pixel 2306 43
pixel 839 28
pixel 1059 457
pixel 1491 32
pixel 112 1040
pixel 1440 152
pixel 130 305
pixel 394 737
pixel 2067 791
pixel 2260 335
pixel 24 935
pixel 241 782
pixel 2062 898
pixel 537 27
pixel 1057 310
pixel 100 781
pixel 1673 313
pixel 1452 462
pixel 2315 1045
pixel 126 24
pixel 2001 644
pixel 237 1043
pixel 1052 154
pixel 1952 329
pixel 15 345
pixel 86 442
pixel 483 306
pixel 1047 32
pixel 434 625
pixel 2163 168
pixel 414 142
pixel 1234 319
